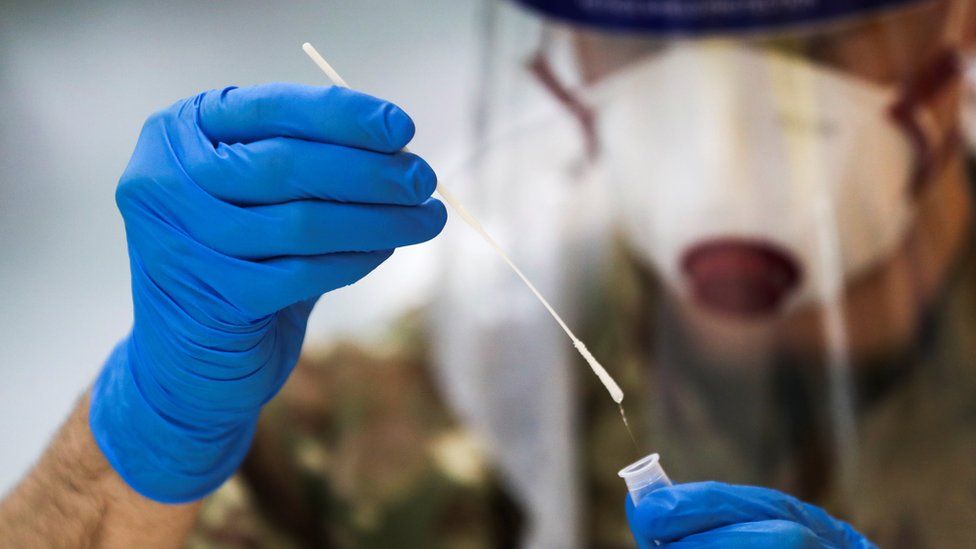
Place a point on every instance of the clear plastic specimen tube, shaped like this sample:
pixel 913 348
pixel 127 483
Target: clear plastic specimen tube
pixel 644 476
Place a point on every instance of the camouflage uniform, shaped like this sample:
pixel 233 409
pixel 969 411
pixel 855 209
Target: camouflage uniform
pixel 360 451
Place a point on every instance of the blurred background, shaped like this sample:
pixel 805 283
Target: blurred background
pixel 77 79
pixel 471 395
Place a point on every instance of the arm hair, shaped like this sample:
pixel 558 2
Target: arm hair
pixel 73 498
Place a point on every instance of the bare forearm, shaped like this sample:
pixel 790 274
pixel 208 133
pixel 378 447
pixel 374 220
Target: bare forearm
pixel 73 498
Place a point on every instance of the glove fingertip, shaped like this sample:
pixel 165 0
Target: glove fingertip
pixel 423 179
pixel 640 528
pixel 399 127
pixel 438 216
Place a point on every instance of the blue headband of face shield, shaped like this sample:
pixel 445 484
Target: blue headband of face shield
pixel 695 17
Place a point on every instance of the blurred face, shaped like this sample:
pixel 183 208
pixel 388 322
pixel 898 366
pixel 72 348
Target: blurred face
pixel 771 182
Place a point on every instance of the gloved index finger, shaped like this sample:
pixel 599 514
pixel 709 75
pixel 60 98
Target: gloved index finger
pixel 333 115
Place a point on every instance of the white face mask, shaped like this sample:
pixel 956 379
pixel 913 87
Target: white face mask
pixel 740 171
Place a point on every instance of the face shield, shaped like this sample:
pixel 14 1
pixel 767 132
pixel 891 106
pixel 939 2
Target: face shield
pixel 758 215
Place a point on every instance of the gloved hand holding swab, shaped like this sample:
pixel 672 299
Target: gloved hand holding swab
pixel 615 392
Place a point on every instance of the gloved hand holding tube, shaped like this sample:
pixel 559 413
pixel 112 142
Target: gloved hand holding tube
pixel 714 514
pixel 242 207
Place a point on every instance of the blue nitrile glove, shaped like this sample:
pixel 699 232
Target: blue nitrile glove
pixel 241 208
pixel 713 514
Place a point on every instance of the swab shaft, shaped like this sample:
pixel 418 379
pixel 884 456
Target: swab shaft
pixel 615 392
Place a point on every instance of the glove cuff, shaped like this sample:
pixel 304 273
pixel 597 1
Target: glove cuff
pixel 161 459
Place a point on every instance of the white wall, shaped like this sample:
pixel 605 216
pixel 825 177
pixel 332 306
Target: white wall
pixel 76 81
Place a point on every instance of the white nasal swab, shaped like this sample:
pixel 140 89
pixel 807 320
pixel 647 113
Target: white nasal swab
pixel 615 393
pixel 324 65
